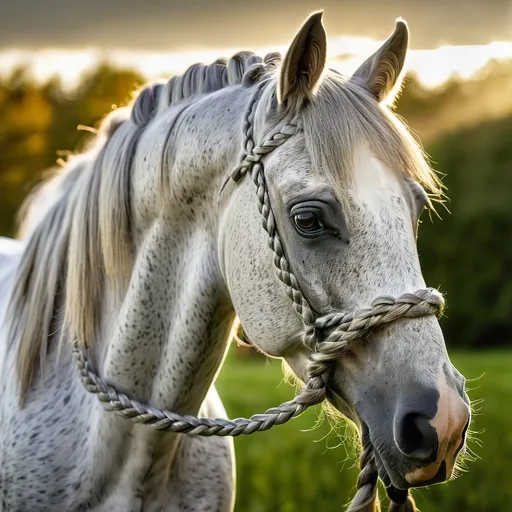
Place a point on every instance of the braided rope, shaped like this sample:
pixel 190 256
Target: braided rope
pixel 327 336
pixel 282 267
pixel 314 392
pixel 366 495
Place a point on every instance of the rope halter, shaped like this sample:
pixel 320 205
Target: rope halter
pixel 327 336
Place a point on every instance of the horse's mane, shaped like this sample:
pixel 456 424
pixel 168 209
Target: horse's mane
pixel 78 223
pixel 85 236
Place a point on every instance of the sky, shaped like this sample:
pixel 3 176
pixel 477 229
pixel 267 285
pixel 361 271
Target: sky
pixel 165 36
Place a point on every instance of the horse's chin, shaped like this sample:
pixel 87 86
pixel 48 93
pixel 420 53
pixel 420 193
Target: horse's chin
pixel 393 478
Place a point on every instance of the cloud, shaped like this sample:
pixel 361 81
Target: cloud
pixel 174 25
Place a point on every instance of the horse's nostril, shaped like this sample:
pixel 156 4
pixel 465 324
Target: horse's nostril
pixel 416 438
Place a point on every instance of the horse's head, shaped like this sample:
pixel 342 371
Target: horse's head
pixel 346 192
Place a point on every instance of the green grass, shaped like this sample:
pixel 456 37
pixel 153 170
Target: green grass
pixel 297 467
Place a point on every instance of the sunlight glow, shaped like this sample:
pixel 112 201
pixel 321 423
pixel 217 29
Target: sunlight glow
pixel 432 66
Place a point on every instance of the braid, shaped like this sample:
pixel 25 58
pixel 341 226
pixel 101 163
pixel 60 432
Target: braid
pixel 146 104
pixel 243 68
pixel 366 498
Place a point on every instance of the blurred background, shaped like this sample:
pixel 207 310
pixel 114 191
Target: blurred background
pixel 65 64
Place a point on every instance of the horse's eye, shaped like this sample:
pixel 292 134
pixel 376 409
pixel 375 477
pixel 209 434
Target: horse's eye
pixel 308 222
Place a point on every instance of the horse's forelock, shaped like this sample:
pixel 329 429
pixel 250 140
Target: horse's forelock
pixel 342 118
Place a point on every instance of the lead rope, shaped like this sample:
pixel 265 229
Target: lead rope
pixel 345 327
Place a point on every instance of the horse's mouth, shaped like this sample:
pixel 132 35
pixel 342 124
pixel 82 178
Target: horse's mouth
pixel 393 480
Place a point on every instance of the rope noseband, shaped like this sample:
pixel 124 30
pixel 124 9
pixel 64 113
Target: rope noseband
pixel 327 336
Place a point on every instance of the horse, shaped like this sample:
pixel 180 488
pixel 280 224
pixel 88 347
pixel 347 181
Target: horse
pixel 271 191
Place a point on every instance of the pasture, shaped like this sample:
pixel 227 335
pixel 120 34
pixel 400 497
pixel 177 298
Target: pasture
pixel 299 468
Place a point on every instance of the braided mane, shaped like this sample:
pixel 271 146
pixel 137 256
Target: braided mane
pixel 199 79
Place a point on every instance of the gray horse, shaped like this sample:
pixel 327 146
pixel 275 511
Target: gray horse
pixel 137 258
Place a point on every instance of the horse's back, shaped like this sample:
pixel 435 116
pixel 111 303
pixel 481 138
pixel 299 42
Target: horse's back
pixel 10 255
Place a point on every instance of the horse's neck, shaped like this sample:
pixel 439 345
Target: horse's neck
pixel 169 336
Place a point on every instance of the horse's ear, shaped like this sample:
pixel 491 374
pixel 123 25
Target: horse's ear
pixel 304 61
pixel 381 72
